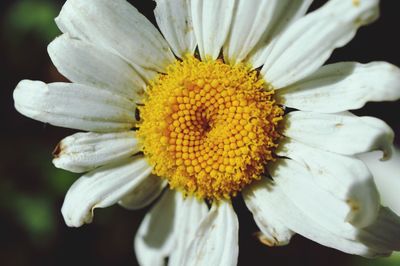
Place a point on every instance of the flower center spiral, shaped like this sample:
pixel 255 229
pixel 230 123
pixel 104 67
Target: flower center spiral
pixel 208 127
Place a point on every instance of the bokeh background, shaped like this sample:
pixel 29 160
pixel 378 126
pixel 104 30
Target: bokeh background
pixel 32 231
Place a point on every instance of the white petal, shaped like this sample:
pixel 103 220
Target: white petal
pixel 167 229
pixel 269 197
pixel 144 193
pixel 340 133
pixel 83 152
pixel 87 64
pixel 386 176
pixel 279 14
pixel 155 238
pixel 274 231
pixel 118 26
pixel 384 233
pixel 191 212
pixel 309 42
pixel 248 25
pixel 211 23
pixel 346 178
pixel 343 86
pixel 216 240
pixel 175 22
pixel 74 106
pixel 102 188
pixel 294 180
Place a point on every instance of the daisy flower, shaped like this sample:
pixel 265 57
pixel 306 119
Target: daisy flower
pixel 229 98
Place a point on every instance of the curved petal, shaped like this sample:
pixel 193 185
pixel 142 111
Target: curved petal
pixel 192 212
pixel 74 106
pixel 175 21
pixel 167 229
pixel 273 231
pixel 216 239
pixel 87 64
pixel 284 13
pixel 155 238
pixel 118 26
pixel 102 188
pixel 293 179
pixel 269 197
pixel 340 133
pixel 249 22
pixel 211 23
pixel 387 177
pixel 384 233
pixel 346 178
pixel 309 42
pixel 144 193
pixel 83 152
pixel 343 86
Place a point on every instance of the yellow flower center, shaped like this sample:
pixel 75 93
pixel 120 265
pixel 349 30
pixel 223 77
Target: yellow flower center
pixel 208 127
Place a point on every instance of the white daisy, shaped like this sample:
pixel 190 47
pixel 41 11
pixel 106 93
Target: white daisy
pixel 214 124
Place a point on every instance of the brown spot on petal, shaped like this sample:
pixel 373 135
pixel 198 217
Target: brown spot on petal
pixel 354 205
pixel 58 150
pixel 266 240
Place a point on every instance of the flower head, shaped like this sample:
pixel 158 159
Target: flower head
pixel 204 107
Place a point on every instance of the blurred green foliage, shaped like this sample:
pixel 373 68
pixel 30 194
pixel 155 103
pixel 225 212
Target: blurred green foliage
pixel 32 17
pixel 36 214
pixel 394 260
pixel 33 206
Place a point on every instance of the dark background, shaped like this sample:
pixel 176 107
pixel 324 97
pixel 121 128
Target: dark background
pixel 32 231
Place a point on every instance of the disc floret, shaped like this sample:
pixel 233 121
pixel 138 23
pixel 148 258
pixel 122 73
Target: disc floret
pixel 209 128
